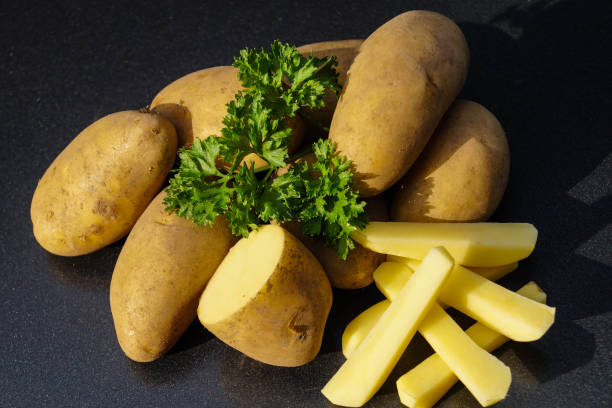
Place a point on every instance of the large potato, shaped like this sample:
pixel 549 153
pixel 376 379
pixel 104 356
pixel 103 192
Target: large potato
pixel 345 51
pixel 159 276
pixel 269 299
pixel 196 105
pixel 462 173
pixel 95 190
pixel 356 270
pixel 404 77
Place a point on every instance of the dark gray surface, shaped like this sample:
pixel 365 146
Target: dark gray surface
pixel 542 67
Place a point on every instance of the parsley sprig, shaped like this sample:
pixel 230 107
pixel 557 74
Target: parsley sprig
pixel 212 178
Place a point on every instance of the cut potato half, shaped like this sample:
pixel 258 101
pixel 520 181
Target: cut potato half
pixel 269 299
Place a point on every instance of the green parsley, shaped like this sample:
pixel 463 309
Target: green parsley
pixel 212 180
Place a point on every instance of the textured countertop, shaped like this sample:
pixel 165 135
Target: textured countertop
pixel 543 68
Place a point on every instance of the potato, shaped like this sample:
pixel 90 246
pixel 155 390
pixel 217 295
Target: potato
pixel 345 51
pixel 196 105
pixel 405 76
pixel 356 270
pixel 269 299
pixel 462 173
pixel 159 277
pixel 95 190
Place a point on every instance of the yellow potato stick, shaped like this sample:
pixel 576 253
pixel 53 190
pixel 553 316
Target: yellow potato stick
pixel 425 384
pixel 504 311
pixel 370 364
pixel 360 326
pixel 471 244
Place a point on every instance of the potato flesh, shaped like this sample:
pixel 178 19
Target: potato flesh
pixel 470 244
pixel 425 384
pixel 515 316
pixel 367 368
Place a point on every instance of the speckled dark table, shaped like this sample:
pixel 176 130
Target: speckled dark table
pixel 543 68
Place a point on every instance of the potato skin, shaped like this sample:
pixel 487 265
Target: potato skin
pixel 345 51
pixel 159 276
pixel 404 77
pixel 356 270
pixel 461 175
pixel 97 187
pixel 283 324
pixel 196 105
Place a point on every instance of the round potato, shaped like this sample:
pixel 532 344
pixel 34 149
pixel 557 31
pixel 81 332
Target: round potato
pixel 196 105
pixel 95 190
pixel 269 299
pixel 345 51
pixel 356 270
pixel 461 175
pixel 404 77
pixel 159 276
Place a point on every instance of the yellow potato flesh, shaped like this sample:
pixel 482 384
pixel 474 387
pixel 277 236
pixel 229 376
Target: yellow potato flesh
pixel 425 384
pixel 368 367
pixel 513 315
pixel 470 244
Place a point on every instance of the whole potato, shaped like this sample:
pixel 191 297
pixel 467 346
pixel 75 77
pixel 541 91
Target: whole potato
pixel 462 173
pixel 356 270
pixel 95 190
pixel 197 103
pixel 159 276
pixel 404 77
pixel 345 51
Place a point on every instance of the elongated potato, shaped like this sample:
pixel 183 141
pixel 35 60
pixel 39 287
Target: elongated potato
pixel 403 79
pixel 269 299
pixel 159 277
pixel 356 270
pixel 196 105
pixel 345 51
pixel 95 190
pixel 461 175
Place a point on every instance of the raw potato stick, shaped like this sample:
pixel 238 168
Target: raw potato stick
pixel 502 310
pixel 366 370
pixel 470 244
pixel 425 384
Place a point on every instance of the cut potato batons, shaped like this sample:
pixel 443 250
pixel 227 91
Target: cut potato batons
pixel 368 367
pixel 269 299
pixel 425 384
pixel 470 244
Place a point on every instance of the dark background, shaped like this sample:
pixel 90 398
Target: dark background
pixel 543 67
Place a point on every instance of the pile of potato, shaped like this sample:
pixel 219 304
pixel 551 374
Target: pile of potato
pixel 418 155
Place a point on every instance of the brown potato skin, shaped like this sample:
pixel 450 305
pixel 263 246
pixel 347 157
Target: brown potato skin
pixel 283 324
pixel 159 276
pixel 196 105
pixel 97 187
pixel 461 175
pixel 404 77
pixel 356 270
pixel 345 51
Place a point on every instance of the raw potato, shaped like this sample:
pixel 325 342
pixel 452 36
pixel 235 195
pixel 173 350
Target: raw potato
pixel 461 175
pixel 196 105
pixel 481 244
pixel 356 270
pixel 405 76
pixel 345 51
pixel 95 190
pixel 159 277
pixel 269 299
pixel 368 367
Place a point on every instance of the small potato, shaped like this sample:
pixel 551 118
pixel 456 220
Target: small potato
pixel 159 276
pixel 269 299
pixel 197 103
pixel 95 190
pixel 461 175
pixel 356 270
pixel 404 77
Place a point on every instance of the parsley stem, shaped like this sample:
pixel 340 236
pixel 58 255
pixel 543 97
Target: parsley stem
pixel 301 153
